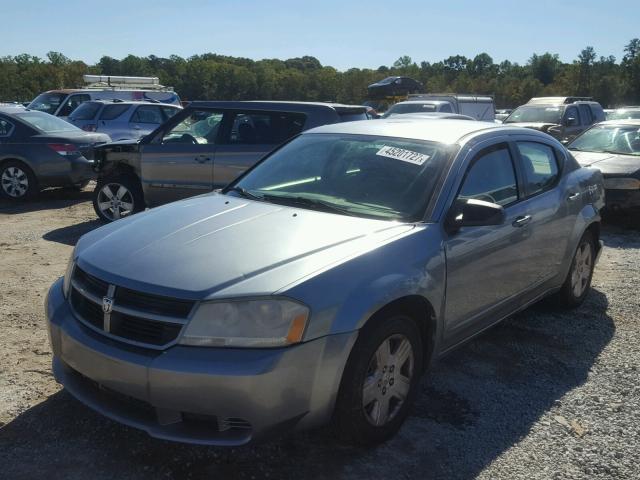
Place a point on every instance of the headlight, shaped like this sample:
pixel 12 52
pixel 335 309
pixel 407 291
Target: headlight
pixel 248 323
pixel 621 183
pixel 66 282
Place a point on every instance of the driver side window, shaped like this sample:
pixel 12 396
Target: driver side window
pixel 491 177
pixel 200 127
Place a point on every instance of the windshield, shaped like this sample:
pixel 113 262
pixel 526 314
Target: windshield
pixel 624 140
pixel 623 114
pixel 375 177
pixel 47 102
pixel 400 108
pixel 46 123
pixel 531 114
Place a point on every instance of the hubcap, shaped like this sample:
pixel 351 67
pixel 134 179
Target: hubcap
pixel 582 263
pixel 15 182
pixel 115 201
pixel 388 380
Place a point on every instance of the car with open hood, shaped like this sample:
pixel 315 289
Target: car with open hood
pixel 613 147
pixel 321 284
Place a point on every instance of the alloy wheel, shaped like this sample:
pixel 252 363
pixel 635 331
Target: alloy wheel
pixel 582 264
pixel 388 380
pixel 15 182
pixel 115 201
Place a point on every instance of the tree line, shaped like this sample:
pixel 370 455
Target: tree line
pixel 217 77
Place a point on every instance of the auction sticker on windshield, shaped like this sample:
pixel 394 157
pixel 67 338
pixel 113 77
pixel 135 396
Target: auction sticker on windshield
pixel 402 154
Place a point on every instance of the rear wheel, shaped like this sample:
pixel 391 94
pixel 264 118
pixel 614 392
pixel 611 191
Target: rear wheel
pixel 380 381
pixel 17 181
pixel 117 196
pixel 578 282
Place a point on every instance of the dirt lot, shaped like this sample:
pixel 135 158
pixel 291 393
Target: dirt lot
pixel 546 394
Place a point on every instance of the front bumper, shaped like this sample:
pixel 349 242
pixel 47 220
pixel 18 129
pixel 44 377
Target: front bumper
pixel 213 396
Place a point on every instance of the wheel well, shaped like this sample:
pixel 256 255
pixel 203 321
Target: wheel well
pixel 120 169
pixel 421 311
pixel 594 228
pixel 6 160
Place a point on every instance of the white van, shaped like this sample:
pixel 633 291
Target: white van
pixel 480 107
pixel 104 87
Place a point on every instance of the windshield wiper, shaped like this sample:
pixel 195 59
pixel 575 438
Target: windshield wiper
pixel 309 203
pixel 245 193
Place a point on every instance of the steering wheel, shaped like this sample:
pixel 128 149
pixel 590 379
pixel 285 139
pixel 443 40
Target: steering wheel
pixel 187 138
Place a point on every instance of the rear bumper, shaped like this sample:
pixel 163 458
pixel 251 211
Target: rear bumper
pixel 81 170
pixel 211 396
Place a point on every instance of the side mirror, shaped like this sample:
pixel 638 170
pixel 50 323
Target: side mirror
pixel 474 213
pixel 571 122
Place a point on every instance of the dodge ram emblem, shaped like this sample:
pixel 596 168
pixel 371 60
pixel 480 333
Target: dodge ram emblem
pixel 107 304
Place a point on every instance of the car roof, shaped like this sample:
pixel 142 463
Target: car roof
pixel 446 131
pixel 435 115
pixel 130 102
pixel 420 102
pixel 634 122
pixel 279 105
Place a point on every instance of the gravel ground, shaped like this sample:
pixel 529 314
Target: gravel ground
pixel 546 394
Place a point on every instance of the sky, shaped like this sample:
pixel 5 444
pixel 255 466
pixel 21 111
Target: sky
pixel 340 33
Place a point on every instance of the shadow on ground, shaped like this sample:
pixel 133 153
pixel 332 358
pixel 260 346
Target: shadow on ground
pixel 52 199
pixel 474 405
pixel 69 235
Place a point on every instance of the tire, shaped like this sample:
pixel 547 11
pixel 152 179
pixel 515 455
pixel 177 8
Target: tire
pixel 122 192
pixel 578 282
pixel 17 181
pixel 371 381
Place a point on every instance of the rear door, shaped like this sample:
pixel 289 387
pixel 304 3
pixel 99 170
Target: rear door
pixel 572 122
pixel 247 136
pixel 178 162
pixel 551 210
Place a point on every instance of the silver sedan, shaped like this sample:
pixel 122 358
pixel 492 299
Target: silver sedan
pixel 320 285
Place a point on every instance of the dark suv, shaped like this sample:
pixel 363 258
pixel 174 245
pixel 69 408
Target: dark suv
pixel 561 117
pixel 204 147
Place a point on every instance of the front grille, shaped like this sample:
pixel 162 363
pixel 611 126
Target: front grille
pixel 143 331
pixel 136 317
pixel 88 310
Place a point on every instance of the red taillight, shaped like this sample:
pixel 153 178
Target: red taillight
pixel 91 127
pixel 64 148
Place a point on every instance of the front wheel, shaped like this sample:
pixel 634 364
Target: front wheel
pixel 578 282
pixel 117 196
pixel 380 381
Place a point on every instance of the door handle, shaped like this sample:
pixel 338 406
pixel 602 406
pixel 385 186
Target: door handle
pixel 202 159
pixel 573 196
pixel 521 221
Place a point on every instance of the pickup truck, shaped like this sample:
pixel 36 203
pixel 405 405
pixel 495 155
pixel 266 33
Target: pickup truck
pixel 204 147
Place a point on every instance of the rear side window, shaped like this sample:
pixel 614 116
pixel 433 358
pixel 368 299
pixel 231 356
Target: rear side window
pixel 491 178
pixel 111 112
pixel 86 111
pixel 572 112
pixel 266 128
pixel 540 166
pixel 5 128
pixel 147 114
pixel 446 108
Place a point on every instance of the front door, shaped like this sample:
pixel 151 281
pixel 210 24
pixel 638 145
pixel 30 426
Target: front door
pixel 179 162
pixel 487 267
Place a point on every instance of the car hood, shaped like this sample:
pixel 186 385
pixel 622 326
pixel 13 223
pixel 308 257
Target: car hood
pixel 608 163
pixel 542 126
pixel 216 245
